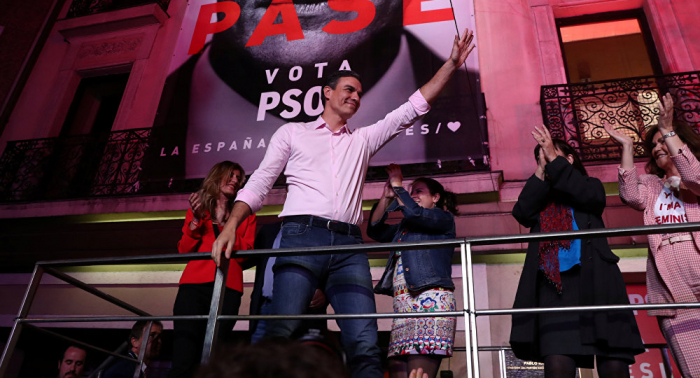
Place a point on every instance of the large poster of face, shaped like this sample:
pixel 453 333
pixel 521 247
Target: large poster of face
pixel 243 68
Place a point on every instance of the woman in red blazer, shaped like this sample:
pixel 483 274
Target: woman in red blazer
pixel 209 210
pixel 669 194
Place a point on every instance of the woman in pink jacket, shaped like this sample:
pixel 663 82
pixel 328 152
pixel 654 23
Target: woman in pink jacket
pixel 668 193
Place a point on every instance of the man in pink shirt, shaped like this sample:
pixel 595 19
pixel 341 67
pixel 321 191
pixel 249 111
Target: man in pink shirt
pixel 325 164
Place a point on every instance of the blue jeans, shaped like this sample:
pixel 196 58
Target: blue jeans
pixel 265 309
pixel 347 285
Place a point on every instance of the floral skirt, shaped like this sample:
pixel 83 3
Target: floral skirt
pixel 421 335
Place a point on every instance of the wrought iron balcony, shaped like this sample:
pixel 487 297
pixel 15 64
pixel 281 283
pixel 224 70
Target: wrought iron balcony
pixel 73 167
pixel 577 113
pixel 80 8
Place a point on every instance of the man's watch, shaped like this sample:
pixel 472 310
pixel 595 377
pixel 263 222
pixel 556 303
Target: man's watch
pixel 672 133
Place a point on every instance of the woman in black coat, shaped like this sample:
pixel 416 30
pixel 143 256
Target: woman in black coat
pixel 560 196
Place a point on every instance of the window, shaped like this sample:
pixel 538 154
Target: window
pixel 95 105
pixel 607 47
pixel 614 78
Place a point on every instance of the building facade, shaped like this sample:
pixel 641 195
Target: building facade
pixel 79 113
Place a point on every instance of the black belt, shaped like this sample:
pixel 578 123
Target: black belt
pixel 328 224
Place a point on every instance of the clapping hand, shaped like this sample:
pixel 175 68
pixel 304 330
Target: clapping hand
pixel 418 373
pixel 395 175
pixel 544 139
pixel 624 139
pixel 196 206
pixel 627 153
pixel 388 190
pixel 666 114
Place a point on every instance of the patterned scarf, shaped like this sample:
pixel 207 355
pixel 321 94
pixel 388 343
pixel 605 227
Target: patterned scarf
pixel 554 217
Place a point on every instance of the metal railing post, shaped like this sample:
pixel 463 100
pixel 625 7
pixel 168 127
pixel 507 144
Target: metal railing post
pixel 472 311
pixel 145 339
pixel 117 354
pixel 108 361
pixel 23 312
pixel 465 305
pixel 217 301
pixel 94 291
pixel 667 362
pixel 502 362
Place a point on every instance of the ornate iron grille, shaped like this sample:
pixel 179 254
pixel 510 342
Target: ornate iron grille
pixel 577 113
pixel 80 8
pixel 120 168
pixel 71 167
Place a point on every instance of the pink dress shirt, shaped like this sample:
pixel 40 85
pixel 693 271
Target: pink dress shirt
pixel 325 170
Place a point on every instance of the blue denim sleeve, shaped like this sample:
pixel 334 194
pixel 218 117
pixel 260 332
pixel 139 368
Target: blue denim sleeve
pixel 379 230
pixel 435 220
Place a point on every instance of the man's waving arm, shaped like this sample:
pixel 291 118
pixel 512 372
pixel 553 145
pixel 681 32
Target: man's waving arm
pixel 461 48
pixel 419 103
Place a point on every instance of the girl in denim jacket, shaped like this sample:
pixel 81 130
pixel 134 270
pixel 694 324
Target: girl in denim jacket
pixel 419 280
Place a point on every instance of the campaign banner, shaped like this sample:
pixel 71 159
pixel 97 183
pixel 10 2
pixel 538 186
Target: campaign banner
pixel 241 69
pixel 517 368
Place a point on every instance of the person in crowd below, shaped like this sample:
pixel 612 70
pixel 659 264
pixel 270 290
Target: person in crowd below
pixel 125 368
pixel 210 209
pixel 419 280
pixel 669 194
pixel 560 196
pixel 326 164
pixel 72 363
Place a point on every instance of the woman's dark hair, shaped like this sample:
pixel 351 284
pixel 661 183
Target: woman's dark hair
pixel 684 131
pixel 447 201
pixel 567 150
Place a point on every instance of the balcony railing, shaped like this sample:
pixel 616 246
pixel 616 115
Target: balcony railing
pixel 72 167
pixel 469 311
pixel 80 8
pixel 577 113
pixel 122 163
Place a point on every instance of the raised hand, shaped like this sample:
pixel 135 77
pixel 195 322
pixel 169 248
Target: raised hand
pixel 627 153
pixel 462 47
pixel 544 139
pixel 418 373
pixel 388 191
pixel 624 139
pixel 395 175
pixel 666 114
pixel 196 206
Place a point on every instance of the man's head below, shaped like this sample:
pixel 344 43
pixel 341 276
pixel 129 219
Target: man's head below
pixel 154 340
pixel 72 362
pixel 342 93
